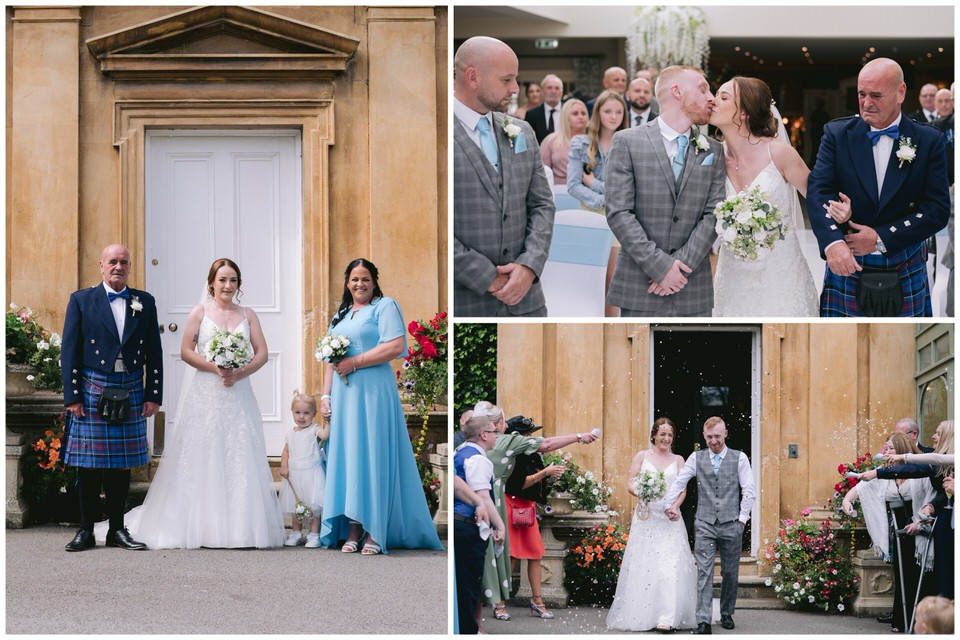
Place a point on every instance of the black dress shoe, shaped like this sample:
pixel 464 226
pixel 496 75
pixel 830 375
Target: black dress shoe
pixel 727 622
pixel 83 540
pixel 121 538
pixel 886 618
pixel 702 628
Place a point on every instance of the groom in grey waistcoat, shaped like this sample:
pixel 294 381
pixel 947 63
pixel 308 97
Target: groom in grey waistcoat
pixel 725 496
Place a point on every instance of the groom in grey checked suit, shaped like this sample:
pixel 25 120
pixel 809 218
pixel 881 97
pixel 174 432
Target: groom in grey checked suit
pixel 502 203
pixel 663 181
pixel 725 496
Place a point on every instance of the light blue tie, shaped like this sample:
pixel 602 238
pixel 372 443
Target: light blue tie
pixel 487 143
pixel 716 464
pixel 680 157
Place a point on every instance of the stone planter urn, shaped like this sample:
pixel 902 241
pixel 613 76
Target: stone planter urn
pixel 559 531
pixel 17 384
pixel 559 504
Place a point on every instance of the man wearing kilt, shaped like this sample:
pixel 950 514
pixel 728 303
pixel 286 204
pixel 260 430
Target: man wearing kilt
pixel 883 179
pixel 111 339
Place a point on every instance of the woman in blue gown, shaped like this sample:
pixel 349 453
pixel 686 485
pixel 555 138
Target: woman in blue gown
pixel 373 495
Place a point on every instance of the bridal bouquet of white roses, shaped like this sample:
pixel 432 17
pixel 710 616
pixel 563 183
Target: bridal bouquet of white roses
pixel 748 224
pixel 650 485
pixel 332 348
pixel 228 349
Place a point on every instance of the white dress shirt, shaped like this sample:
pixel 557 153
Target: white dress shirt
pixel 555 116
pixel 748 492
pixel 469 119
pixel 644 117
pixel 119 308
pixel 670 138
pixel 478 469
pixel 881 153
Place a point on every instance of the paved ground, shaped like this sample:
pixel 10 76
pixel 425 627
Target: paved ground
pixel 590 620
pixel 288 590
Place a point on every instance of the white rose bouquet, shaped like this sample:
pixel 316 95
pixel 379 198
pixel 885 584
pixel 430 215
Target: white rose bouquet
pixel 650 486
pixel 749 225
pixel 228 349
pixel 332 348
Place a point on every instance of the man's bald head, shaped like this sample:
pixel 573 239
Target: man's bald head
pixel 615 79
pixel 880 92
pixel 485 74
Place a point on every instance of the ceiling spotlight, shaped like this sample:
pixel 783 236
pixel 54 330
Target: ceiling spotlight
pixel 929 55
pixel 803 48
pixel 779 63
pixel 737 48
pixel 939 49
pixel 872 50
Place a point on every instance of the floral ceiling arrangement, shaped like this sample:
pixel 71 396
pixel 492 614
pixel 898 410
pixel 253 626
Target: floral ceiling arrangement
pixel 663 36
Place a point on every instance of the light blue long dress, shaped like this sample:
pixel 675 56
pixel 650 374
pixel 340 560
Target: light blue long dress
pixel 372 476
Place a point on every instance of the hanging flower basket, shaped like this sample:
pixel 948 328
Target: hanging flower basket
pixel 663 36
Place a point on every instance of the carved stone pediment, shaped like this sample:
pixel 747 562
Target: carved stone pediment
pixel 233 43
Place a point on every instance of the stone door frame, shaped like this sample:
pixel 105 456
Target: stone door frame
pixel 314 119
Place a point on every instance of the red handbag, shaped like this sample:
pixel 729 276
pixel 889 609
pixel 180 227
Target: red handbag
pixel 522 516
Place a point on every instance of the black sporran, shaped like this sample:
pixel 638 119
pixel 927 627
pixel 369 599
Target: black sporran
pixel 114 405
pixel 880 293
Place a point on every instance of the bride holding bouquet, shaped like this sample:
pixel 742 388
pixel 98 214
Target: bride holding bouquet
pixel 657 587
pixel 761 270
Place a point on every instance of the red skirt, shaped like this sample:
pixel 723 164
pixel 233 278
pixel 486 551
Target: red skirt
pixel 525 542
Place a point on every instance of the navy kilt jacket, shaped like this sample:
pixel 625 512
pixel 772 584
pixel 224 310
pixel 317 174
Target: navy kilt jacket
pixel 90 347
pixel 915 203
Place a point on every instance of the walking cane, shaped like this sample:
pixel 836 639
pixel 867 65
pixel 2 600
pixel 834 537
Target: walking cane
pixel 923 565
pixel 903 587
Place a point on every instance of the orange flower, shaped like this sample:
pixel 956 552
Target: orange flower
pixel 610 528
pixel 54 456
pixel 39 445
pixel 55 443
pixel 48 433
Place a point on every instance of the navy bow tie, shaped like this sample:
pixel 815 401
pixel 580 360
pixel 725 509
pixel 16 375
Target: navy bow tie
pixel 111 296
pixel 893 132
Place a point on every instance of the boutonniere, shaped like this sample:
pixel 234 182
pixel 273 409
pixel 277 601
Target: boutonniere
pixel 700 141
pixel 135 305
pixel 514 133
pixel 907 151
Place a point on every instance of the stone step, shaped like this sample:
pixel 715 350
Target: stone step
pixel 748 566
pixel 752 593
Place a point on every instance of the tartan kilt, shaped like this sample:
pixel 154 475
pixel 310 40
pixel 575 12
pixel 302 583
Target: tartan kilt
pixel 93 443
pixel 839 297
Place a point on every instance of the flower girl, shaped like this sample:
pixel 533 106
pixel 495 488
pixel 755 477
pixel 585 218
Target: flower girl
pixel 301 466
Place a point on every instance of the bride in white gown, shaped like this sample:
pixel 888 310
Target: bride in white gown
pixel 778 284
pixel 657 586
pixel 213 487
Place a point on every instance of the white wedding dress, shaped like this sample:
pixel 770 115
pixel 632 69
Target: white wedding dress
pixel 658 578
pixel 213 487
pixel 778 284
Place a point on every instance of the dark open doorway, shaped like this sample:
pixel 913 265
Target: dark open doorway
pixel 703 373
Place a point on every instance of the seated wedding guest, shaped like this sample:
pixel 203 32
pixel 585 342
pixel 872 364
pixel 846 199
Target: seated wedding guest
pixel 474 470
pixel 534 94
pixel 938 467
pixel 555 148
pixel 588 153
pixel 889 505
pixel 496 567
pixel 928 105
pixel 935 615
pixel 527 486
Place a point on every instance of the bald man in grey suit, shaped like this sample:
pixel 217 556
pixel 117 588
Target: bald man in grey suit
pixel 663 181
pixel 502 203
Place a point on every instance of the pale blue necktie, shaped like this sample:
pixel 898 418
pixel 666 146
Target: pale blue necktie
pixel 487 143
pixel 679 158
pixel 716 464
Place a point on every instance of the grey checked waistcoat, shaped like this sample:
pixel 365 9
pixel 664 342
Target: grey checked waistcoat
pixel 718 496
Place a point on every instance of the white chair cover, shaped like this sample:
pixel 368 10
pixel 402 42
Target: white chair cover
pixel 573 278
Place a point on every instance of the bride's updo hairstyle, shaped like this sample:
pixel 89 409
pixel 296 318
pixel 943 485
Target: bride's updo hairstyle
pixel 658 424
pixel 212 274
pixel 753 100
pixel 304 398
pixel 347 300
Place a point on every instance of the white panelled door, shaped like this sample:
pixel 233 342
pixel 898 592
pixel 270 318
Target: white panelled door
pixel 237 195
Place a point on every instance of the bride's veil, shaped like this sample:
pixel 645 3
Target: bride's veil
pixel 795 215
